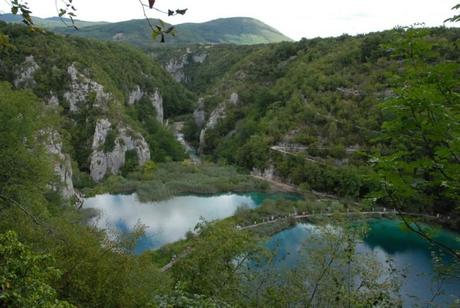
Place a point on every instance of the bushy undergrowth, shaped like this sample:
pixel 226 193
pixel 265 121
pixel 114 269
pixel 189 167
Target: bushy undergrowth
pixel 172 179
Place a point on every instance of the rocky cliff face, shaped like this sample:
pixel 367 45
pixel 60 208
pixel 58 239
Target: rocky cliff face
pixel 217 114
pixel 25 73
pixel 135 96
pixel 155 98
pixel 62 164
pixel 80 88
pixel 177 66
pixel 103 163
pixel 83 81
pixel 157 103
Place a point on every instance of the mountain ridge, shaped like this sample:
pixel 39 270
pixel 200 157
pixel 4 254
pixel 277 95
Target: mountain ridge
pixel 136 32
pixel 49 22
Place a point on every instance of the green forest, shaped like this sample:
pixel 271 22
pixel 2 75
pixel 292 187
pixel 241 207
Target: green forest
pixel 343 109
pixel 346 125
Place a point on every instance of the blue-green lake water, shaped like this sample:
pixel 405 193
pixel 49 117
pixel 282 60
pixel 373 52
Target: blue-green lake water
pixel 385 239
pixel 169 221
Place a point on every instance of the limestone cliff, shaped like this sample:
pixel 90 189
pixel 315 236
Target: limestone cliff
pixel 80 89
pixel 177 66
pixel 154 97
pixel 62 164
pixel 217 114
pixel 103 163
pixel 25 73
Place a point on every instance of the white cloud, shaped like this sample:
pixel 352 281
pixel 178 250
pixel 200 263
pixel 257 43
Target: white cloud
pixel 295 18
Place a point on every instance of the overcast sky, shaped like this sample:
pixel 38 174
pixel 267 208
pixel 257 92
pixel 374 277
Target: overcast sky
pixel 295 18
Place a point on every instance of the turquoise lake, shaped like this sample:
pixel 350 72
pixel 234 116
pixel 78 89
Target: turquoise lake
pixel 169 221
pixel 385 240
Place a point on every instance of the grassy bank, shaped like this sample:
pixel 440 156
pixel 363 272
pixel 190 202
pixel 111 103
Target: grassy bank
pixel 163 181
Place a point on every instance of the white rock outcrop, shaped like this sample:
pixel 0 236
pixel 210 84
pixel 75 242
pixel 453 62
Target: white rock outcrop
pixel 120 36
pixel 135 96
pixel 80 88
pixel 200 58
pixel 267 173
pixel 157 103
pixel 103 126
pixel 175 67
pixel 103 163
pixel 217 114
pixel 234 98
pixel 25 73
pixel 62 164
pixel 155 98
pixel 53 101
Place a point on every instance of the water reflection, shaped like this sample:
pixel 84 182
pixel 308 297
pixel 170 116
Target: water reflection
pixel 166 221
pixel 385 240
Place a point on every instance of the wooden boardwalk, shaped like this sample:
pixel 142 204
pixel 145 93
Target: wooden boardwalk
pixel 273 220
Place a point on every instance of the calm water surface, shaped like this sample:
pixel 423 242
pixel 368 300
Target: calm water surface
pixel 168 221
pixel 386 240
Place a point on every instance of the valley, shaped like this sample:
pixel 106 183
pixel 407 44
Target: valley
pixel 229 167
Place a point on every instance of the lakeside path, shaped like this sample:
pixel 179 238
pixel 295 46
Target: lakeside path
pixel 273 220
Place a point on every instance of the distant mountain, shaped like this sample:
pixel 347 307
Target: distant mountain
pixel 51 22
pixel 238 30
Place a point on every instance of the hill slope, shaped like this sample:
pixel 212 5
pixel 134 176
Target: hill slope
pixel 51 22
pixel 306 112
pixel 239 30
pixel 109 101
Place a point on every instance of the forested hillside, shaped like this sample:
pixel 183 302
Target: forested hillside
pixel 109 102
pixel 354 127
pixel 200 67
pixel 314 112
pixel 50 23
pixel 238 30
